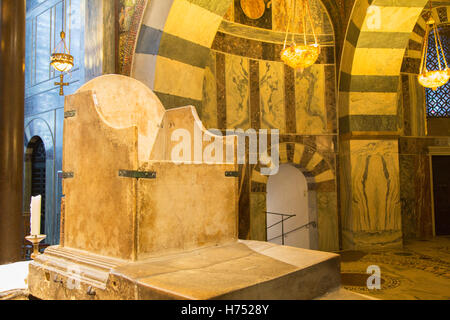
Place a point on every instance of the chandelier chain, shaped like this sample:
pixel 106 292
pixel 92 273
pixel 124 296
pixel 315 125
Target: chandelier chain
pixel 300 56
pixel 304 21
pixel 438 36
pixel 310 21
pixel 288 26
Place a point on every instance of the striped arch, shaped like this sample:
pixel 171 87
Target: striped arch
pixel 314 166
pixel 413 54
pixel 322 194
pixel 173 47
pixel 377 36
pixel 413 94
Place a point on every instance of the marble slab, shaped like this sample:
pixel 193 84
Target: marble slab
pixel 240 270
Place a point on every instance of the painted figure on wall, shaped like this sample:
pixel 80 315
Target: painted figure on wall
pixel 127 8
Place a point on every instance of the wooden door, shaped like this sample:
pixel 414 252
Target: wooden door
pixel 441 186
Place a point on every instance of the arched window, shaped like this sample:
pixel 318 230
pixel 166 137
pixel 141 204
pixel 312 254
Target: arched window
pixel 438 102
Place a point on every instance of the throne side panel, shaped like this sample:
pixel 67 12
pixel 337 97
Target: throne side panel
pixel 100 206
pixel 186 207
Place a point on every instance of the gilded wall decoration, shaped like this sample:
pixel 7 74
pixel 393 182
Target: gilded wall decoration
pixel 254 9
pixel 130 17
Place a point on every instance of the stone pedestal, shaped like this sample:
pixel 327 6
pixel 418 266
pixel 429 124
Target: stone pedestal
pixel 234 271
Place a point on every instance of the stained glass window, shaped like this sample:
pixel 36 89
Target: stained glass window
pixel 438 102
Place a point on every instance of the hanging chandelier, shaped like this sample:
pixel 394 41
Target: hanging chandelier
pixel 433 78
pixel 61 59
pixel 301 56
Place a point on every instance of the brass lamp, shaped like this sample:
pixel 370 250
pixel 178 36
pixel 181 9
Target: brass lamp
pixel 62 61
pixel 433 78
pixel 301 56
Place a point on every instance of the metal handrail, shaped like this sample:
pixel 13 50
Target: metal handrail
pixel 275 224
pixel 312 223
pixel 283 215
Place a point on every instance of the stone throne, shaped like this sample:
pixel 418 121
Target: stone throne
pixel 138 225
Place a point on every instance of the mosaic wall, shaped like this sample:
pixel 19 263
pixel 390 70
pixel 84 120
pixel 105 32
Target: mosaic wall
pixel 130 18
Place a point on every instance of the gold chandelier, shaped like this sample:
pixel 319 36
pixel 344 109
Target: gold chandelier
pixel 301 56
pixel 433 78
pixel 61 59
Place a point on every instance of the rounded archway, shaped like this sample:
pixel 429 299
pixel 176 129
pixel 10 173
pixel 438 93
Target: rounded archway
pixel 289 219
pixel 41 128
pixel 321 196
pixel 35 176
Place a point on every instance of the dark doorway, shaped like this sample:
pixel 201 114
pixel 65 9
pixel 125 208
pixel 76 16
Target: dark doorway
pixel 38 175
pixel 441 186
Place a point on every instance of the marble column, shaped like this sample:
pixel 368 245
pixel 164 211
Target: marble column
pixel 12 91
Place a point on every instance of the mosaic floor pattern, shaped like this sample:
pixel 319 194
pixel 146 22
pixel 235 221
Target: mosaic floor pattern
pixel 418 271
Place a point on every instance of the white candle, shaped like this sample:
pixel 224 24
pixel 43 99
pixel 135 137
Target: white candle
pixel 35 215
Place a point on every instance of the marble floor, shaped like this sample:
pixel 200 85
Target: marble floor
pixel 418 271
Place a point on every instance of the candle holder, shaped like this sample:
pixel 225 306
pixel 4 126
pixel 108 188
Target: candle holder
pixel 35 240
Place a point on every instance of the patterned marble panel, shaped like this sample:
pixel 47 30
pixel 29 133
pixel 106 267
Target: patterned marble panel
pixel 330 78
pixel 282 12
pixel 289 99
pixel 416 196
pixel 244 206
pixel 311 111
pixel 327 221
pixel 345 193
pixel 258 216
pixel 208 113
pixel 221 91
pixel 418 115
pixel 405 105
pixel 237 92
pixel 255 96
pixel 407 197
pixel 271 84
pixel 375 186
pixel 413 99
